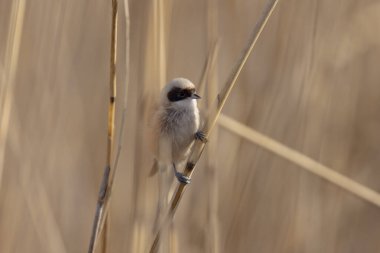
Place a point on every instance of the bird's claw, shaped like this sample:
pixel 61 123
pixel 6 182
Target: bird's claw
pixel 182 178
pixel 201 136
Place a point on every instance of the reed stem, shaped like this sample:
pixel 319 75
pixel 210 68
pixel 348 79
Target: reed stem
pixel 106 185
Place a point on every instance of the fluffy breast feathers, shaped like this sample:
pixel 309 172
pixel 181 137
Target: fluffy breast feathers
pixel 177 126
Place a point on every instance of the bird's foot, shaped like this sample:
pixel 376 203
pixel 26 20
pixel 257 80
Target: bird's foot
pixel 182 178
pixel 201 136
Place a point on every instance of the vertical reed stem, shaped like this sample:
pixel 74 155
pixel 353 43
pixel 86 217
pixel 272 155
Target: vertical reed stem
pixel 105 187
pixel 212 161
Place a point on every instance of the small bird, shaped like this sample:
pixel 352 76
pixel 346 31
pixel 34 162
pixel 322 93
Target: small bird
pixel 176 125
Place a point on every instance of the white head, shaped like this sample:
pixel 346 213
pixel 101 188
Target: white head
pixel 179 92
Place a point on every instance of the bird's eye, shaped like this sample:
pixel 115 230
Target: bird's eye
pixel 182 94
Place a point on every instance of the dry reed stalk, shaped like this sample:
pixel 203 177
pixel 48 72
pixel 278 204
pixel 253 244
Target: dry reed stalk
pixel 163 175
pixel 126 85
pixel 106 184
pixel 213 241
pixel 209 63
pixel 8 76
pixel 220 101
pixel 149 64
pixel 301 160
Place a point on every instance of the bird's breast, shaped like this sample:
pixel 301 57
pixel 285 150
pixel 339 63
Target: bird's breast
pixel 180 126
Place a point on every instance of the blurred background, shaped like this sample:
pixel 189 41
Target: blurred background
pixel 312 84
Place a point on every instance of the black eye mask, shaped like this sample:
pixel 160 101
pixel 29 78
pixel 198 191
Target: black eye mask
pixel 177 94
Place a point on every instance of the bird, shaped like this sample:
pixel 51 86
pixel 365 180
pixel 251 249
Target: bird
pixel 176 126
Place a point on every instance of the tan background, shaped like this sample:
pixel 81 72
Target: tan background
pixel 312 84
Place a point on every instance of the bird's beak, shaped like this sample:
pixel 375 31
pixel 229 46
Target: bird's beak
pixel 195 96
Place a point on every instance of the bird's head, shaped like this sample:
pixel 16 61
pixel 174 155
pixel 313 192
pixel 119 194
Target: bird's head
pixel 180 92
